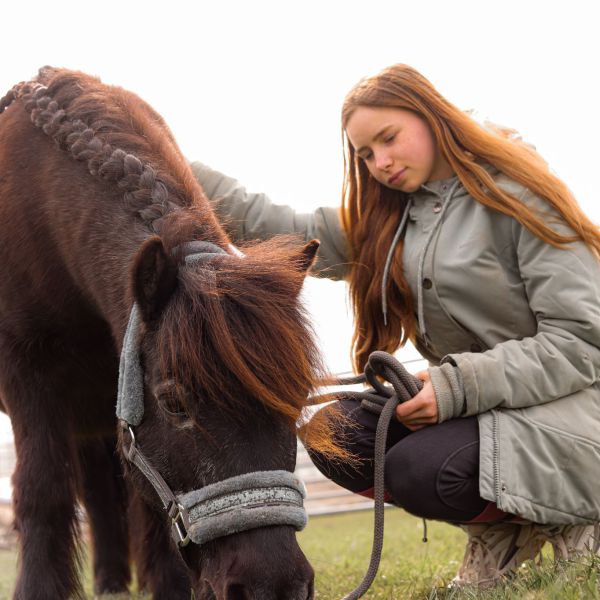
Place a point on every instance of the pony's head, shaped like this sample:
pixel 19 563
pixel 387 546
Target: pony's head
pixel 228 361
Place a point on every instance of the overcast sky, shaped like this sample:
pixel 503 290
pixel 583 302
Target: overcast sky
pixel 255 88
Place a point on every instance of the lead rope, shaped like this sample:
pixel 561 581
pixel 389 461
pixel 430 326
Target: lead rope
pixel 382 400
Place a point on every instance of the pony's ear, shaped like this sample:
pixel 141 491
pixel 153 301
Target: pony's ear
pixel 154 278
pixel 307 255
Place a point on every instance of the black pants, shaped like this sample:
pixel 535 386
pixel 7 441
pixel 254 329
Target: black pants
pixel 432 473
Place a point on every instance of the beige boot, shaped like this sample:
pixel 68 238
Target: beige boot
pixel 496 551
pixel 570 542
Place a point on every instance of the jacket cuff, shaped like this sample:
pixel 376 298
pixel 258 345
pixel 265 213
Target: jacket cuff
pixel 449 391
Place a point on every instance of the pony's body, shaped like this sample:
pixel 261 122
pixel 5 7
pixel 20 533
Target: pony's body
pixel 76 251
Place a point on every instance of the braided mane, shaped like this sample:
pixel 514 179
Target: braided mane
pixel 120 138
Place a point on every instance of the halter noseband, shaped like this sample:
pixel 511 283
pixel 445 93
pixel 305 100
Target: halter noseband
pixel 230 506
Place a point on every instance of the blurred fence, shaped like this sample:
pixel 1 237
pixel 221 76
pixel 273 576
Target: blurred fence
pixel 7 466
pixel 323 496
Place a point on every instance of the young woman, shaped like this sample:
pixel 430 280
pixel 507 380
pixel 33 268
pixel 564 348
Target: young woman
pixel 459 238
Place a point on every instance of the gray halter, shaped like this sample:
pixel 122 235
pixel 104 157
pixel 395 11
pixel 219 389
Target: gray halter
pixel 230 506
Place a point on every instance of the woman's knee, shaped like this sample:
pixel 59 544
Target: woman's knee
pixel 408 478
pixel 434 472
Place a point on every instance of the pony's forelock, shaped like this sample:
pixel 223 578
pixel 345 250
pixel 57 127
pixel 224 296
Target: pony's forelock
pixel 240 321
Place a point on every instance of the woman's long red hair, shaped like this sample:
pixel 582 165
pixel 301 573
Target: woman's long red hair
pixel 371 212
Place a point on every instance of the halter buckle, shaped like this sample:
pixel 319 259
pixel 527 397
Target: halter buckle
pixel 179 524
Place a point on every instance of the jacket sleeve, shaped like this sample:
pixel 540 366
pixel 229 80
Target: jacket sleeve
pixel 250 216
pixel 563 357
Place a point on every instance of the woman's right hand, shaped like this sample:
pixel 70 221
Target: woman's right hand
pixel 422 410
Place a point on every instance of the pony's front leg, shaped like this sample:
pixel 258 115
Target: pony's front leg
pixel 160 568
pixel 105 499
pixel 44 494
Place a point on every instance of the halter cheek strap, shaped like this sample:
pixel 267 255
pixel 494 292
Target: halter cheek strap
pixel 130 395
pixel 230 506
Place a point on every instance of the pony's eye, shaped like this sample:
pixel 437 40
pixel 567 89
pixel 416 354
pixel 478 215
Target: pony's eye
pixel 172 406
pixel 169 397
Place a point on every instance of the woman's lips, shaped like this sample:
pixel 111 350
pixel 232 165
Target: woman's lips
pixel 396 176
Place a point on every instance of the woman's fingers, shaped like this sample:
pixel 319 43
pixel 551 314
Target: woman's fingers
pixel 418 407
pixel 422 375
pixel 422 409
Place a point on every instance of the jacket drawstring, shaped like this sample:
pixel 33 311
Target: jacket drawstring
pixel 388 260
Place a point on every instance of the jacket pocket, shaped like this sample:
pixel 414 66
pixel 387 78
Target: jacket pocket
pixel 551 470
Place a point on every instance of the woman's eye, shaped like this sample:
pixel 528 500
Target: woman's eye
pixel 389 139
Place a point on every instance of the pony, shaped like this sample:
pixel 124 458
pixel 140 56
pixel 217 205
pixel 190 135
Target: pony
pixel 98 211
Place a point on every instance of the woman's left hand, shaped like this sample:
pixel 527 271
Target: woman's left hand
pixel 421 410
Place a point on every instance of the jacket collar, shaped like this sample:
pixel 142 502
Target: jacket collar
pixel 441 187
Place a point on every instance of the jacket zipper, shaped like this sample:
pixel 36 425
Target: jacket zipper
pixel 497 484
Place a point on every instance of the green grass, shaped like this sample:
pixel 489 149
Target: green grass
pixel 8 567
pixel 339 548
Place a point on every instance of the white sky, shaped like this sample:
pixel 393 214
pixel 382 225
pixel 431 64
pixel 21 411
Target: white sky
pixel 255 88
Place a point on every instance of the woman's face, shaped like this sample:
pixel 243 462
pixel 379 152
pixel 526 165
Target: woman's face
pixel 397 146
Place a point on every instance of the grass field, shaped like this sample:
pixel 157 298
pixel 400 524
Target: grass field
pixel 339 548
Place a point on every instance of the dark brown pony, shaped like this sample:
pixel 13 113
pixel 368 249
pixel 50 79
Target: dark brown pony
pixel 95 203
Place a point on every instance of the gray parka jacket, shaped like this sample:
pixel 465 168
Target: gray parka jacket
pixel 518 318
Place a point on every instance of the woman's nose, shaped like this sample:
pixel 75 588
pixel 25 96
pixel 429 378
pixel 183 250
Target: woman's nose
pixel 383 161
